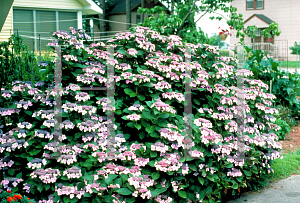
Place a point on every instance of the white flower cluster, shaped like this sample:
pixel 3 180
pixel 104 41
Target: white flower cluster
pixel 163 199
pixel 69 190
pixel 24 104
pixel 50 123
pixel 37 165
pixel 176 186
pixel 82 96
pixel 232 126
pixel 203 122
pixel 67 125
pixel 162 85
pixel 67 159
pixel 196 153
pixel 163 106
pixel 45 114
pixel 90 128
pixel 72 174
pixel 133 117
pixel 73 87
pixel 170 95
pixel 160 147
pixel 46 176
pixel 24 125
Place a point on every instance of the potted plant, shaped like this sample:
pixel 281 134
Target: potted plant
pixel 224 33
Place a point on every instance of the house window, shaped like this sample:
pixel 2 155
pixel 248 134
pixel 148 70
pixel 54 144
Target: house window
pixel 250 4
pixel 138 19
pixel 254 4
pixel 32 24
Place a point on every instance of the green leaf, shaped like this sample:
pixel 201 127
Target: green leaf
pixel 154 135
pixel 150 129
pixel 201 180
pixel 28 113
pixel 140 52
pixel 182 194
pixel 75 74
pixel 141 135
pixel 131 124
pixel 145 123
pixel 118 112
pixel 121 51
pixel 155 175
pixel 118 181
pixel 11 171
pixel 130 92
pixel 138 126
pixel 235 186
pixel 141 97
pixel 161 190
pixel 88 177
pixel 110 178
pixel 153 154
pixel 124 191
pixel 163 115
pixel 124 177
pixel 42 71
pixel 19 175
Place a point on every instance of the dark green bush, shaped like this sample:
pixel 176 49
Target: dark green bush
pixel 17 63
pixel 285 85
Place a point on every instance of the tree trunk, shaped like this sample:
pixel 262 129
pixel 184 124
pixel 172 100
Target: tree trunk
pixel 143 6
pixel 102 18
pixel 128 14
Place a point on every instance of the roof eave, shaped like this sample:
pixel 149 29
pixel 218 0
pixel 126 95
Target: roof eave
pixel 90 7
pixel 4 10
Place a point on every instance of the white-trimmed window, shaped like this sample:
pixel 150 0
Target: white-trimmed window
pixel 32 24
pixel 254 5
pixel 250 4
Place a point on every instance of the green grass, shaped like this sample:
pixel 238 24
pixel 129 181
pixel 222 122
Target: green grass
pixel 290 64
pixel 283 168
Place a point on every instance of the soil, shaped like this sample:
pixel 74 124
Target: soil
pixel 292 141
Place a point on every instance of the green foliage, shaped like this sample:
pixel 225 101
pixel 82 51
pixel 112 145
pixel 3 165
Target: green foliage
pixel 295 49
pixel 284 88
pixel 5 197
pixel 215 40
pixel 179 18
pixel 17 63
pixel 284 128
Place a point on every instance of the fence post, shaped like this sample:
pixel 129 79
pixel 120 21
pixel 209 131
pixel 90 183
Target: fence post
pixel 241 103
pixel 40 46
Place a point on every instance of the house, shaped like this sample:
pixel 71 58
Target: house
pixel 118 13
pixel 35 20
pixel 263 12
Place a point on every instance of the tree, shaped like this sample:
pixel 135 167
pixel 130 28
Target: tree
pixel 182 20
pixel 215 40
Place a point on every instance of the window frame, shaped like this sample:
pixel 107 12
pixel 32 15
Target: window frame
pixel 34 10
pixel 254 5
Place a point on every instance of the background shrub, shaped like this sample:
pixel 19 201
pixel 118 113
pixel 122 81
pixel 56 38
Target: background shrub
pixel 18 63
pixel 285 89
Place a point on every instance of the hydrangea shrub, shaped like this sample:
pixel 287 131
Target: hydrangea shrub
pixel 150 141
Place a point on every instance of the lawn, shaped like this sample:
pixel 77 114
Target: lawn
pixel 290 64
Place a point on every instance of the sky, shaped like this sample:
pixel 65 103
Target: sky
pixel 211 26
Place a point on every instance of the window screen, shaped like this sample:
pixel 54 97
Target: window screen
pixel 45 26
pixel 138 19
pixel 23 24
pixel 250 4
pixel 67 20
pixel 259 4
